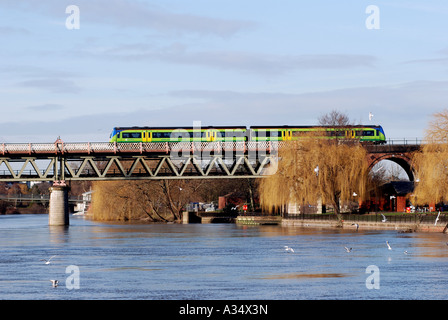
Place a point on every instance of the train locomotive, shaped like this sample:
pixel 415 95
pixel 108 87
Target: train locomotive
pixel 368 134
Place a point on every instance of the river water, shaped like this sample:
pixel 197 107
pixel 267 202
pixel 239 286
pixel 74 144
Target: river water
pixel 215 261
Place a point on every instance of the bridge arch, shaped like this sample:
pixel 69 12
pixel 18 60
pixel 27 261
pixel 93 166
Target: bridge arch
pixel 403 160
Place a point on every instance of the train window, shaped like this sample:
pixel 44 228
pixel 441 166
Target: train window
pixel 232 133
pixel 267 133
pixel 131 135
pixel 158 135
pixel 366 133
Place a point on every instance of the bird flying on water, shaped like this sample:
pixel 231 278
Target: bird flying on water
pixel 384 218
pixel 388 245
pixel 437 219
pixel 348 249
pixel 55 283
pixel 47 261
pixel 289 249
pixel 356 225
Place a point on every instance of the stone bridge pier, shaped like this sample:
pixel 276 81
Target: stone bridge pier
pixel 59 210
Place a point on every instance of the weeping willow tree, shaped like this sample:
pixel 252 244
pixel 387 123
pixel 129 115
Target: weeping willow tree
pixel 431 163
pixel 312 170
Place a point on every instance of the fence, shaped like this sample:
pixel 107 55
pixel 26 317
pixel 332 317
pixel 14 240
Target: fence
pixel 395 218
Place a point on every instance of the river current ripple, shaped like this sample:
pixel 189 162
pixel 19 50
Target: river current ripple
pixel 215 261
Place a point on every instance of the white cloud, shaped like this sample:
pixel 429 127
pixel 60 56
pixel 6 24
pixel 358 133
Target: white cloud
pixel 251 62
pixel 55 85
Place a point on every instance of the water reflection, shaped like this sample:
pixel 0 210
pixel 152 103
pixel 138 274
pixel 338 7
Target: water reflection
pixel 306 276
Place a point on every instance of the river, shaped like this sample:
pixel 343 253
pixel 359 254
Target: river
pixel 215 261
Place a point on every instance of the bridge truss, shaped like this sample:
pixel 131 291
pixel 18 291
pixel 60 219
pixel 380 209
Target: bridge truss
pixel 135 161
pixel 61 161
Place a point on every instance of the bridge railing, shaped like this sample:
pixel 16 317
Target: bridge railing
pixel 404 141
pixel 33 197
pixel 160 147
pixel 139 147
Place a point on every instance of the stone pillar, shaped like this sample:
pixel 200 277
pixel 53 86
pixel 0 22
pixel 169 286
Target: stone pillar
pixel 185 217
pixel 58 213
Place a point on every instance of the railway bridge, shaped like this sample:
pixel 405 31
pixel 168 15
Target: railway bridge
pixel 61 162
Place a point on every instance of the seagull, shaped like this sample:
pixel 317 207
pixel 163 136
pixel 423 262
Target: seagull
pixel 405 252
pixel 356 225
pixel 289 249
pixel 370 116
pixel 437 219
pixel 47 261
pixel 388 246
pixel 55 283
pixel 384 218
pixel 348 249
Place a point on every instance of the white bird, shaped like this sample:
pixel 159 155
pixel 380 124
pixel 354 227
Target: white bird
pixel 316 170
pixel 348 249
pixel 55 283
pixel 384 218
pixel 405 252
pixel 289 249
pixel 388 246
pixel 437 219
pixel 356 225
pixel 47 261
pixel 370 116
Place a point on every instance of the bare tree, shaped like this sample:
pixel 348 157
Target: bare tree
pixel 162 200
pixel 335 118
pixel 437 131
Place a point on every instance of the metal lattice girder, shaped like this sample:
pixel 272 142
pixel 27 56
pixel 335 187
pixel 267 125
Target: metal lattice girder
pixel 162 167
pixel 26 169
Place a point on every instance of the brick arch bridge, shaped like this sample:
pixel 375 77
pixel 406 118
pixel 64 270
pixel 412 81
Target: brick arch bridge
pixel 401 154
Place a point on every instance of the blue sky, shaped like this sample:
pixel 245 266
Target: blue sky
pixel 221 62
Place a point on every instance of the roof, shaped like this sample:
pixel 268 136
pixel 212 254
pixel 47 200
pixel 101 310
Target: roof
pixel 400 188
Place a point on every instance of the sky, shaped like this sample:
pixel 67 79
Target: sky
pixel 220 62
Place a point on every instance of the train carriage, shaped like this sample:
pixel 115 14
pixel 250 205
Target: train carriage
pixel 172 134
pixel 365 134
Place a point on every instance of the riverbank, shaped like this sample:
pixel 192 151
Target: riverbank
pixel 361 225
pixel 411 224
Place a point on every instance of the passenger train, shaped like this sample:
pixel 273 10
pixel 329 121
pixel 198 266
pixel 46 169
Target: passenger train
pixel 373 134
